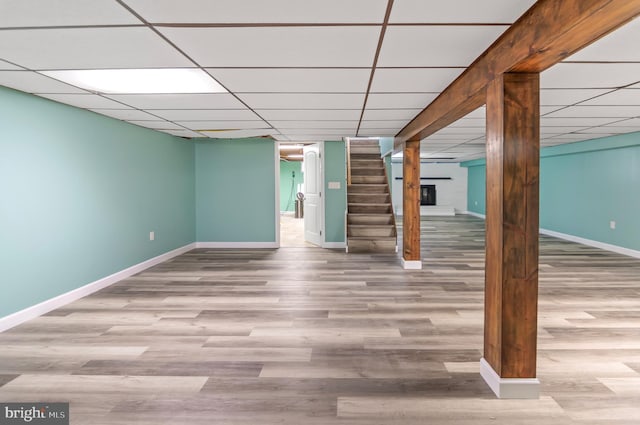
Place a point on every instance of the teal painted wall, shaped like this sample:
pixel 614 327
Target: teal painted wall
pixel 476 188
pixel 584 186
pixel 235 191
pixel 289 184
pixel 80 194
pixel 335 199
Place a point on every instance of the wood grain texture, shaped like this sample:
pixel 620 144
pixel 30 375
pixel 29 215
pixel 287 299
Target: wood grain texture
pixel 511 288
pixel 411 201
pixel 348 339
pixel 548 32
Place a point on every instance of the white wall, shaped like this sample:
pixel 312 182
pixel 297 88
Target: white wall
pixel 450 193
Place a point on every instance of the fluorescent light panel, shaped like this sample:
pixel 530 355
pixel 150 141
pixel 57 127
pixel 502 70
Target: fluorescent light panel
pixel 140 81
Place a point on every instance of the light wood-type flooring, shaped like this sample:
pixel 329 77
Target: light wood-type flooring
pixel 310 336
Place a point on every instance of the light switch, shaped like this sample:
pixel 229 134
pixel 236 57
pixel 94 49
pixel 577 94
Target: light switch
pixel 334 185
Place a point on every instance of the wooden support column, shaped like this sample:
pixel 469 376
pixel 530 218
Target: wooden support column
pixel 411 205
pixel 511 272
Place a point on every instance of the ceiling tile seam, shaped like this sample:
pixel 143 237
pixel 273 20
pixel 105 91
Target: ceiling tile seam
pixel 375 60
pixel 162 36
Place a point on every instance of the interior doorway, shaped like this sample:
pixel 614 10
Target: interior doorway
pixel 292 196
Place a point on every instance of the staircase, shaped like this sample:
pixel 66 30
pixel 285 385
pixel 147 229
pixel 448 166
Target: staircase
pixel 371 225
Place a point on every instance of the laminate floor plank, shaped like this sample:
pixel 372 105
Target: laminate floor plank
pixel 313 336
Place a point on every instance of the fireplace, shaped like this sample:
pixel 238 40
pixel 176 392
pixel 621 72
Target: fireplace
pixel 427 194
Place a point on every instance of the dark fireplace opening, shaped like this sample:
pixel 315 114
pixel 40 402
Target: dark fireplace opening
pixel 427 194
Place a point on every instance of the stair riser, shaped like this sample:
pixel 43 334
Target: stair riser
pixel 367 171
pixel 369 209
pixel 371 246
pixel 368 198
pixel 368 179
pixel 372 232
pixel 358 189
pixel 367 163
pixel 365 150
pixel 378 219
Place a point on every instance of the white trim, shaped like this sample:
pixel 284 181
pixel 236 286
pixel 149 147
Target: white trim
pixel 411 265
pixel 334 245
pixel 589 242
pixel 475 214
pixel 276 156
pixel 577 239
pixel 522 388
pixel 46 306
pixel 243 245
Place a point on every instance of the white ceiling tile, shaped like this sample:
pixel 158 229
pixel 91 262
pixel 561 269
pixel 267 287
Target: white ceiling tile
pixel 86 48
pixel 614 47
pixel 157 125
pixel 545 131
pixel 590 75
pixel 472 11
pixel 479 113
pixel 32 82
pixel 277 46
pixel 318 131
pixel 377 132
pixel 238 134
pixel 633 122
pixel 87 101
pixel 469 122
pixel 575 122
pixel 293 80
pixel 341 125
pixel 395 124
pixel 4 66
pixel 625 111
pixel 545 110
pixel 390 114
pixel 317 136
pixel 303 100
pixel 183 133
pixel 260 11
pixel 223 125
pixel 618 97
pixel 37 13
pixel 310 114
pixel 462 130
pixel 605 129
pixel 414 80
pixel 180 101
pixel 436 45
pixel 206 114
pixel 400 100
pixel 445 137
pixel 565 97
pixel 125 114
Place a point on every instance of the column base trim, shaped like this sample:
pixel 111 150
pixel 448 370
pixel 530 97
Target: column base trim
pixel 522 388
pixel 411 264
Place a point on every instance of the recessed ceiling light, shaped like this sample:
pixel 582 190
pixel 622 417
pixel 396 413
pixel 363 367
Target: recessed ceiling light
pixel 140 81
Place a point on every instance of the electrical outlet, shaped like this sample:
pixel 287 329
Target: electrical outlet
pixel 152 236
pixel 612 225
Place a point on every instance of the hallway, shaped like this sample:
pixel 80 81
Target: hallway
pixel 313 336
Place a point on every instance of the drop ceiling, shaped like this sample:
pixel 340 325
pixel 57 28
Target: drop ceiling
pixel 302 71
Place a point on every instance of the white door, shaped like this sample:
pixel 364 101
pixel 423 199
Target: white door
pixel 312 194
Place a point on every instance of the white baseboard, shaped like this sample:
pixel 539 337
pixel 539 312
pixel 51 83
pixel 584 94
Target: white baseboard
pixel 238 245
pixel 338 245
pixel 411 265
pixel 44 307
pixel 577 239
pixel 475 214
pixel 595 244
pixel 522 388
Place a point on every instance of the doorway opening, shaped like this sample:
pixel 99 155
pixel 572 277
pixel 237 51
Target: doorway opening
pixel 300 190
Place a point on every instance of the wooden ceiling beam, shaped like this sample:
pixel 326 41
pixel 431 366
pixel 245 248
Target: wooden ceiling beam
pixel 547 33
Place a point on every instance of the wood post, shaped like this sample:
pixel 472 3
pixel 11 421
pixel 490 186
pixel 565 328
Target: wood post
pixel 511 272
pixel 411 205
